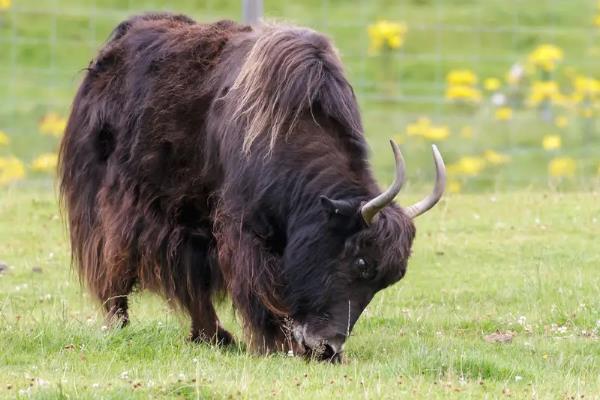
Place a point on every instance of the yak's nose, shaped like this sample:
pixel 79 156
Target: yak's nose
pixel 336 343
pixel 332 349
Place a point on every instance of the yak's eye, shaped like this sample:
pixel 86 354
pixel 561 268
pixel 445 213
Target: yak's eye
pixel 363 268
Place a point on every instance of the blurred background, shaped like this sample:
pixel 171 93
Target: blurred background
pixel 508 89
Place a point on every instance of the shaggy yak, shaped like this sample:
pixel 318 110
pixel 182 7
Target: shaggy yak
pixel 207 159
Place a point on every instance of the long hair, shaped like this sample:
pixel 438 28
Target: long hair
pixel 287 70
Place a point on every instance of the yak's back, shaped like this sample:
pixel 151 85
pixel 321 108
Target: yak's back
pixel 142 105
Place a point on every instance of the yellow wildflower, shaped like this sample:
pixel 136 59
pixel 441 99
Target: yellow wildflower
pixel 454 186
pixel 562 166
pixel 598 171
pixel 461 86
pixel 544 91
pixel 495 158
pixel 395 42
pixel 466 132
pixel 424 128
pixel 5 4
pixel 45 163
pixel 464 77
pixel 491 84
pixel 597 20
pixel 463 93
pixel 551 142
pixel 386 35
pixel 561 121
pixel 4 139
pixel 419 127
pixel 546 56
pixel 437 133
pixel 468 165
pixel 52 124
pixel 585 88
pixel 504 114
pixel 11 170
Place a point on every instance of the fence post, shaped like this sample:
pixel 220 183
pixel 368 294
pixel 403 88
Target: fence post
pixel 252 11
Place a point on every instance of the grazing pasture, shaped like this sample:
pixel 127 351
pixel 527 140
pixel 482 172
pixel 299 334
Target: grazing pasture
pixel 502 294
pixel 500 299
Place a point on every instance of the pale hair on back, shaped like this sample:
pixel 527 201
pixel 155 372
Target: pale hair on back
pixel 287 69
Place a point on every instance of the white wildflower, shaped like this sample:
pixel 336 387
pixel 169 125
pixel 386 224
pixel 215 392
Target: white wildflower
pixel 562 329
pixel 41 382
pixel 498 99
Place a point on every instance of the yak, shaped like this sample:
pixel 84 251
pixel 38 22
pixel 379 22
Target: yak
pixel 209 160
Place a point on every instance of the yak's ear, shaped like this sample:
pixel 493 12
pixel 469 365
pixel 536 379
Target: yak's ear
pixel 343 215
pixel 335 207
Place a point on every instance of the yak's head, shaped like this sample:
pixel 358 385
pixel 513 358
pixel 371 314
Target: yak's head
pixel 335 266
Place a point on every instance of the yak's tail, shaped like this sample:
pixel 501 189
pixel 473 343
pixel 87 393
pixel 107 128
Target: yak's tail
pixel 86 146
pixel 287 71
pixel 81 168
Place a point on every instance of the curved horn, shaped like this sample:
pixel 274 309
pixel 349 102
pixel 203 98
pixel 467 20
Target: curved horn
pixel 370 209
pixel 440 185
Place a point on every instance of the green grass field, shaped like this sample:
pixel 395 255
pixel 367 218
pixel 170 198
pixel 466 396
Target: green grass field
pixel 514 254
pixel 525 263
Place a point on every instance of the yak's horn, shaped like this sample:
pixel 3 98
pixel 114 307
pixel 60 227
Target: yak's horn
pixel 370 209
pixel 440 185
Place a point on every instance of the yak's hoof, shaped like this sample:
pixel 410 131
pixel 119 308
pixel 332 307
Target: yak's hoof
pixel 221 338
pixel 117 319
pixel 225 338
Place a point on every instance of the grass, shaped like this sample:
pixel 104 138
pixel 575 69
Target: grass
pixel 525 262
pixel 522 262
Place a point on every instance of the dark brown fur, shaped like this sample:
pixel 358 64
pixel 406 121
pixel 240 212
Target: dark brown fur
pixel 194 161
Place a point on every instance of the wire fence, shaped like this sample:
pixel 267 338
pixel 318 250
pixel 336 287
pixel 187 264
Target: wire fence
pixel 45 44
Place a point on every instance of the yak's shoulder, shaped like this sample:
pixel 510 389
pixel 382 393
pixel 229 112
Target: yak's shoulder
pixel 156 37
pixel 149 19
pixel 168 21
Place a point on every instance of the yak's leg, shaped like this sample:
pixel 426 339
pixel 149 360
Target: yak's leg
pixel 115 302
pixel 205 323
pixel 242 256
pixel 200 266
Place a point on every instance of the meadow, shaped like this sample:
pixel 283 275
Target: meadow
pixel 501 299
pixel 526 275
